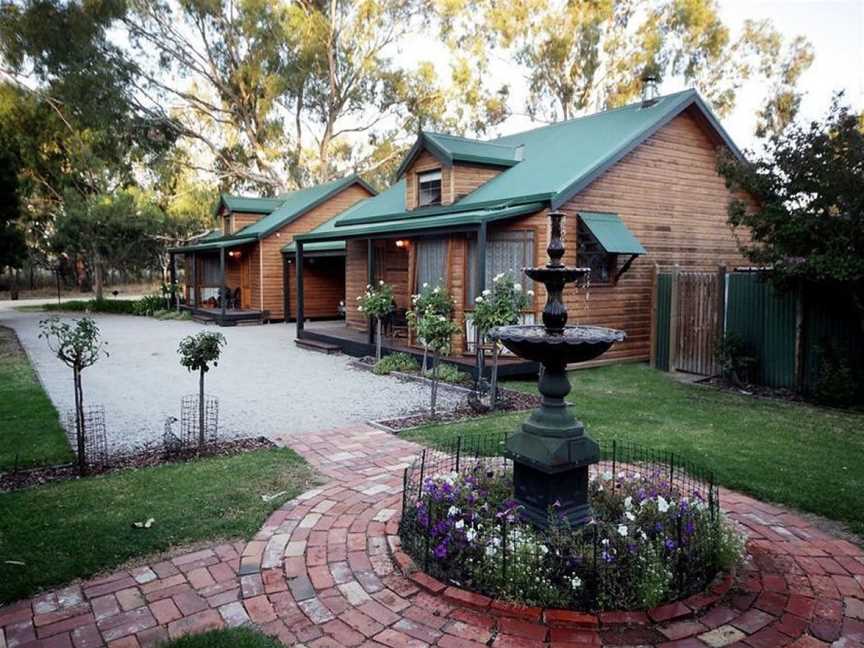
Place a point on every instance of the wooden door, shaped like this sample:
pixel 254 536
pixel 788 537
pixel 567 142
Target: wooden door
pixel 699 322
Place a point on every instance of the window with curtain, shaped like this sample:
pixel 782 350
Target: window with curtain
pixel 431 255
pixel 506 252
pixel 429 188
pixel 210 275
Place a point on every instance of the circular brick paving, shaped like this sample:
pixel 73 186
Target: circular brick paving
pixel 326 571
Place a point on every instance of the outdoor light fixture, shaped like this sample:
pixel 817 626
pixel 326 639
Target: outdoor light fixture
pixel 234 253
pixel 401 243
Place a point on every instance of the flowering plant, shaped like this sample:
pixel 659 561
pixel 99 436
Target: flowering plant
pixel 376 302
pixel 432 319
pixel 648 542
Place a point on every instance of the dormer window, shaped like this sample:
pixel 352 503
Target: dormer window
pixel 429 188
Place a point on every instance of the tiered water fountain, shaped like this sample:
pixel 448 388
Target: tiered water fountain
pixel 552 453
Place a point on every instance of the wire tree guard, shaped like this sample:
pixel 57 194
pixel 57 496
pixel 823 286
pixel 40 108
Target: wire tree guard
pixel 189 409
pixel 95 434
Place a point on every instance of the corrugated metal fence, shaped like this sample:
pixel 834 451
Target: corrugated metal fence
pixel 788 333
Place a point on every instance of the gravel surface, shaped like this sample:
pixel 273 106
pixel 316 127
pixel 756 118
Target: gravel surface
pixel 266 385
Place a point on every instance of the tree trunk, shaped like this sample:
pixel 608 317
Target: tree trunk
pixel 493 388
pixel 425 358
pixel 481 359
pixel 97 276
pixel 201 409
pixel 80 432
pixel 434 384
pixel 378 339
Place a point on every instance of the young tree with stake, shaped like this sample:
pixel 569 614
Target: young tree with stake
pixel 77 344
pixel 197 353
pixel 377 303
pixel 500 306
pixel 432 318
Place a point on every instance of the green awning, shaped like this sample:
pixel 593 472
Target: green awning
pixel 324 246
pixel 611 232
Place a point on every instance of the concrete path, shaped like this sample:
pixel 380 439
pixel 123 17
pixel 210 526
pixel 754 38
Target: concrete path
pixel 266 385
pixel 326 571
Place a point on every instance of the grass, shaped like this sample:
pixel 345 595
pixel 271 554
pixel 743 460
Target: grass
pixel 233 638
pixel 794 454
pixel 76 529
pixel 30 431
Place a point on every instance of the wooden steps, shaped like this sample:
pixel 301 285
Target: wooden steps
pixel 320 347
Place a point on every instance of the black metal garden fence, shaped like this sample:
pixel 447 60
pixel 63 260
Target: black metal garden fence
pixel 460 525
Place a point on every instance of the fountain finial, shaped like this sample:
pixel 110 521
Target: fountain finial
pixel 556 249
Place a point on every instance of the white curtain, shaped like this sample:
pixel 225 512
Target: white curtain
pixel 431 258
pixel 210 275
pixel 506 252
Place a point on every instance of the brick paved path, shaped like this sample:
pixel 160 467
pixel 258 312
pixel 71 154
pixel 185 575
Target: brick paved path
pixel 324 572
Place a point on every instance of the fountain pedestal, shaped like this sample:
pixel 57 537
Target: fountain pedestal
pixel 551 453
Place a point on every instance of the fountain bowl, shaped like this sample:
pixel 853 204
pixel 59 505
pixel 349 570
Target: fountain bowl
pixel 575 344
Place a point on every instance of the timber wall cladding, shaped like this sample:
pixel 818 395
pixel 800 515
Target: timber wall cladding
pixel 668 192
pixel 355 282
pixel 269 293
pixel 427 162
pixel 323 286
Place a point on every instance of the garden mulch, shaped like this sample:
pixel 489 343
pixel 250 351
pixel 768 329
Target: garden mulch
pixel 326 570
pixel 15 480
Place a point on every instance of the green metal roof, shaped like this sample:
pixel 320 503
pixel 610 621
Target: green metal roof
pixel 447 221
pixel 611 232
pixel 215 244
pixel 295 204
pixel 450 148
pixel 248 204
pixel 323 246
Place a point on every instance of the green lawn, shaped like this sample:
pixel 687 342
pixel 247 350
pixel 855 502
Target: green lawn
pixel 799 455
pixel 30 432
pixel 233 638
pixel 76 529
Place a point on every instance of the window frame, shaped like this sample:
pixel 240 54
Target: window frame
pixel 420 189
pixel 588 248
pixel 525 236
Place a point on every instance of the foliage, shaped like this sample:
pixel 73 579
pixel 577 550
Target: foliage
pixel 149 305
pixel 835 384
pixel 761 447
pixel 580 57
pixel 79 528
pixel 112 306
pixel 77 343
pixel 648 542
pixel 377 301
pixel 198 352
pixel 735 358
pixel 30 430
pixel 228 638
pixel 807 222
pixel 432 319
pixel 401 362
pixel 450 373
pixel 13 249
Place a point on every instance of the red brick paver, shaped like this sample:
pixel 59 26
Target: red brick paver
pixel 326 570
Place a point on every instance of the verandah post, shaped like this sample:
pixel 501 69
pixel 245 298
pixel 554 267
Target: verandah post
pixel 480 286
pixel 673 320
pixel 222 287
pixel 370 279
pixel 298 259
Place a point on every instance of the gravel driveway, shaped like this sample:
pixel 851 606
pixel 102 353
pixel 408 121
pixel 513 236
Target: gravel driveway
pixel 265 384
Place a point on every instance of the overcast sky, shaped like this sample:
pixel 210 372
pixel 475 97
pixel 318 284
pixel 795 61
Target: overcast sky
pixel 834 27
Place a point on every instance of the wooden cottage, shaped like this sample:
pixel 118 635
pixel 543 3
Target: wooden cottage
pixel 239 273
pixel 638 185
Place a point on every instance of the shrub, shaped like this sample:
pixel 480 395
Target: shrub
pixel 377 302
pixel 149 305
pixel 450 374
pixel 835 384
pixel 111 306
pixel 402 362
pixel 735 359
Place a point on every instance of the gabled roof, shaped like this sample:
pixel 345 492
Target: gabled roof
pixel 289 207
pixel 451 148
pixel 247 204
pixel 296 203
pixel 550 165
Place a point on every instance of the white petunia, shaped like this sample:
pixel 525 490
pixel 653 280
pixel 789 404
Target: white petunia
pixel 628 503
pixel 622 530
pixel 453 511
pixel 471 534
pixel 662 504
pixel 629 516
pixel 459 524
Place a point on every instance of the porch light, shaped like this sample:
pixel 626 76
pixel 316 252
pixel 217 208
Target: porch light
pixel 401 243
pixel 234 254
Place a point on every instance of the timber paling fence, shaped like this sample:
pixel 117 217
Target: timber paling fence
pixel 788 333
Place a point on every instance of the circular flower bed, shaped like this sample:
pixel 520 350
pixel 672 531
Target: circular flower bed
pixel 657 535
